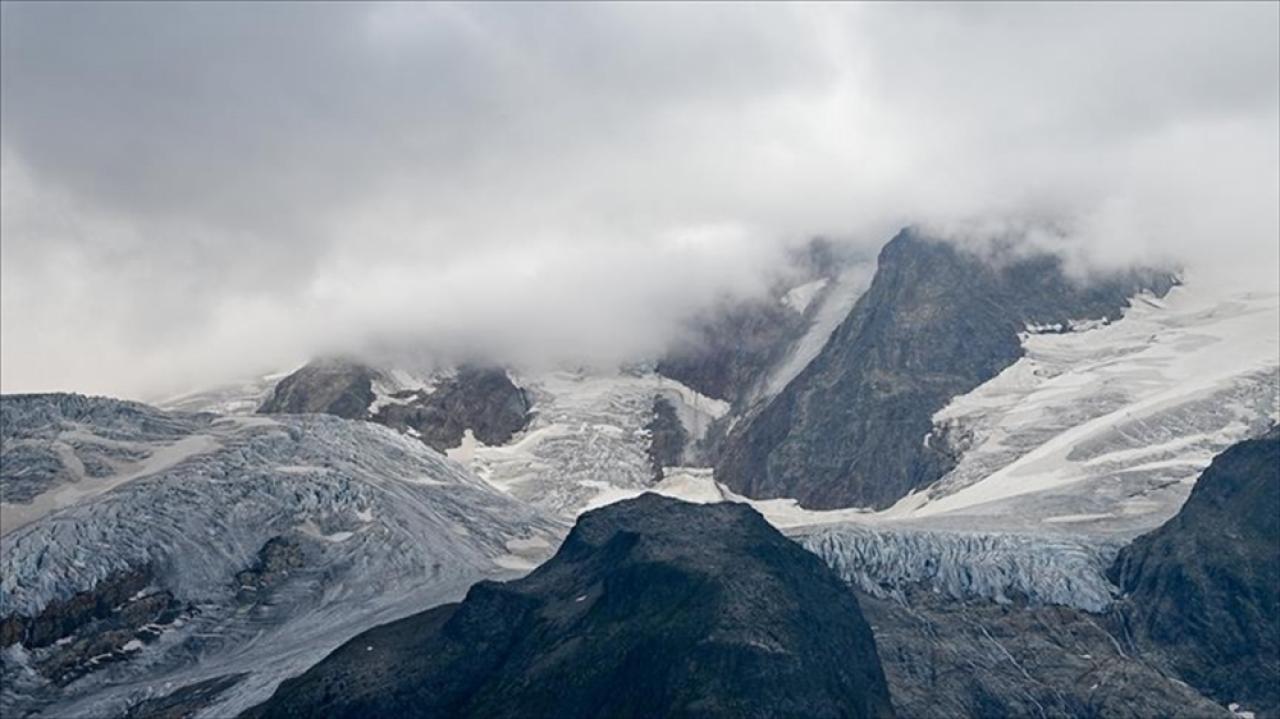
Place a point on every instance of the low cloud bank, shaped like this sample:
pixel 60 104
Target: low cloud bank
pixel 194 192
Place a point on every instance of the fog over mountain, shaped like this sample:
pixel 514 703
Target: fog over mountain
pixel 194 192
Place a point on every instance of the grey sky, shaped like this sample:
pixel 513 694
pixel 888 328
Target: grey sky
pixel 193 192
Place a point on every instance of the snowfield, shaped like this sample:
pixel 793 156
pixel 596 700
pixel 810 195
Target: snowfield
pixel 835 301
pixel 1106 429
pixel 587 438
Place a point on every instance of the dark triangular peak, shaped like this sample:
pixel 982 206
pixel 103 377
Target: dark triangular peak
pixel 651 607
pixel 1204 589
pixel 936 322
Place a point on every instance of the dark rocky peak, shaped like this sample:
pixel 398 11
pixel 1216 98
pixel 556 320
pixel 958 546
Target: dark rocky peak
pixel 651 607
pixel 340 387
pixel 667 437
pixel 480 398
pixel 936 322
pixel 1204 589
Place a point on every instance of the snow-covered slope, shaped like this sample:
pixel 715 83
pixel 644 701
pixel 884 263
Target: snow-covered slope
pixel 242 397
pixel 835 299
pixel 1105 429
pixel 376 525
pixel 587 437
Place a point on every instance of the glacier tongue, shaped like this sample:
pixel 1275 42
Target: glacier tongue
pixel 1002 567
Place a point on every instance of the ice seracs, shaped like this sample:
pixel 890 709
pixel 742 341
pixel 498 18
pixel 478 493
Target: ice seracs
pixel 274 538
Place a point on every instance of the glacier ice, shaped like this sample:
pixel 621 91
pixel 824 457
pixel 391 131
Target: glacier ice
pixel 1107 428
pixel 1001 567
pixel 389 526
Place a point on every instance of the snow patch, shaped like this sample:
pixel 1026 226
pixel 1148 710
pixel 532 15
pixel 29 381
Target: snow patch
pixel 833 307
pixel 799 298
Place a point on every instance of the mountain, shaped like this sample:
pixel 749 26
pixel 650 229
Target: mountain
pixel 733 351
pixel 160 563
pixel 651 607
pixel 936 322
pixel 147 552
pixel 328 386
pixel 1204 589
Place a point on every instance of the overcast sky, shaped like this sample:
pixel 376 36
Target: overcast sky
pixel 195 192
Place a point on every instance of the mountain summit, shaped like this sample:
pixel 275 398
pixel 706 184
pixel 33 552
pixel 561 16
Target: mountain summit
pixel 651 607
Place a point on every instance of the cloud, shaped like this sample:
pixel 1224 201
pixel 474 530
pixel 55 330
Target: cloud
pixel 195 191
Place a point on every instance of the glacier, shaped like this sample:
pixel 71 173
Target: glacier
pixel 587 437
pixel 1001 567
pixel 1092 437
pixel 386 525
pixel 1106 428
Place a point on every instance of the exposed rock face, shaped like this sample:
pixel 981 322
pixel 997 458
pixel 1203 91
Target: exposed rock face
pixel 731 350
pixel 936 322
pixel 338 387
pixel 945 658
pixel 91 629
pixel 667 437
pixel 184 702
pixel 1204 589
pixel 61 618
pixel 482 399
pixel 277 558
pixel 651 607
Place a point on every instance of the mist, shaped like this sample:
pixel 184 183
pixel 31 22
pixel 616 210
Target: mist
pixel 190 193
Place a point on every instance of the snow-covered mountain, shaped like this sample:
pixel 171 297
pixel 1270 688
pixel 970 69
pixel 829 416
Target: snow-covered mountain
pixel 1106 428
pixel 232 549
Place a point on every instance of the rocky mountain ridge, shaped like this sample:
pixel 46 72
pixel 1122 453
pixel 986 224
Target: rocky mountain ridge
pixel 651 607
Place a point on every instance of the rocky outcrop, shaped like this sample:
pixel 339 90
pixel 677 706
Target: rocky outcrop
pixel 651 607
pixel 482 399
pixel 667 437
pixel 73 636
pixel 331 386
pixel 276 560
pixel 63 617
pixel 184 702
pixel 1203 591
pixel 936 322
pixel 945 658
pixel 729 351
pixel 732 349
